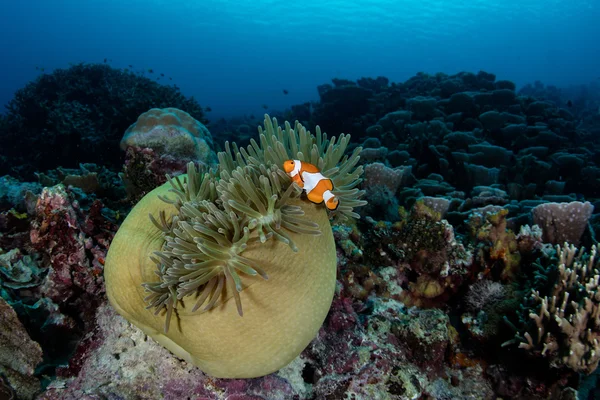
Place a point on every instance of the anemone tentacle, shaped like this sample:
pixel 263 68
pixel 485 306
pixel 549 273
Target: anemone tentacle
pixel 246 200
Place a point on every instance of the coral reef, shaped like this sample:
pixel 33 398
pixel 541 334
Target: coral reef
pixel 472 184
pixel 161 143
pixel 79 114
pixel 51 265
pixel 471 139
pixel 430 263
pixel 60 236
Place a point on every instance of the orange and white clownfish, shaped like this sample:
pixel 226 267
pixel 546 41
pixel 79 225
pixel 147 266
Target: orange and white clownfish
pixel 317 187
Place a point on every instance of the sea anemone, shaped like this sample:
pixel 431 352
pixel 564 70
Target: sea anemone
pixel 216 235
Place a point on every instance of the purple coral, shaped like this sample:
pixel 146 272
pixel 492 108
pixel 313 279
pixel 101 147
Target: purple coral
pixel 377 174
pixel 145 169
pixel 72 244
pixel 563 222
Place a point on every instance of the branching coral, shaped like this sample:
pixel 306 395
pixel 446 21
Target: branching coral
pixel 564 319
pixel 219 236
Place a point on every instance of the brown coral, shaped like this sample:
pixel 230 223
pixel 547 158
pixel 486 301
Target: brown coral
pixel 170 131
pixel 498 249
pixel 19 355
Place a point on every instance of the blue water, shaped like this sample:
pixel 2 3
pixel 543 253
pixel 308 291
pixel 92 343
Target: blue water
pixel 236 55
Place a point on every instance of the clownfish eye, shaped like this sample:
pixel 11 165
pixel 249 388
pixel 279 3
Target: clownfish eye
pixel 288 166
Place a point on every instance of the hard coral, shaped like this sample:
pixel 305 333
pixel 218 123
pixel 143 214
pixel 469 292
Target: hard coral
pixel 426 333
pixel 19 355
pixel 497 246
pixel 72 244
pixel 562 321
pixel 432 263
pixel 563 222
pixel 381 184
pixel 170 131
pixel 246 220
pixel 389 352
pixel 18 270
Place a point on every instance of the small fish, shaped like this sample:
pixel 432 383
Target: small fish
pixel 265 106
pixel 285 91
pixel 252 116
pixel 208 109
pixel 130 66
pixel 151 70
pixel 569 104
pixel 170 78
pixel 317 187
pixel 105 60
pixel 162 74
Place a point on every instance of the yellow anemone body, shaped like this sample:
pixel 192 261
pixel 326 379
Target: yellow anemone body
pixel 281 315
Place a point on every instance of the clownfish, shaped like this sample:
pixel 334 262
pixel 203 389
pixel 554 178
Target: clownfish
pixel 317 187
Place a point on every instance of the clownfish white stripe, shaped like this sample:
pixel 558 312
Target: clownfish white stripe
pixel 328 195
pixel 297 167
pixel 311 180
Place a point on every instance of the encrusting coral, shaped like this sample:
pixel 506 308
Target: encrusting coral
pixel 237 240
